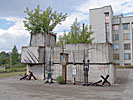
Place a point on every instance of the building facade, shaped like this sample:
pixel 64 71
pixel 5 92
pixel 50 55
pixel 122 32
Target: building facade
pixel 117 30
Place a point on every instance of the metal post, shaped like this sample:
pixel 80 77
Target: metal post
pixel 88 63
pixel 84 71
pixel 48 37
pixel 83 31
pixel 10 61
pixel 49 72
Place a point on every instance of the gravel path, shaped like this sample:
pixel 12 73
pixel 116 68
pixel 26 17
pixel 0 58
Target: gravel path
pixel 14 89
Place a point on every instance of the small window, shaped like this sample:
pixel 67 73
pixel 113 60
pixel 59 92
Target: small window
pixel 116 37
pixel 106 17
pixel 127 46
pixel 116 46
pixel 126 36
pixel 115 27
pixel 127 56
pixel 116 56
pixel 126 26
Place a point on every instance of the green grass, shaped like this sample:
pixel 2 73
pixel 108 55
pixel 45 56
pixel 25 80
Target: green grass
pixel 13 70
pixel 128 66
pixel 10 74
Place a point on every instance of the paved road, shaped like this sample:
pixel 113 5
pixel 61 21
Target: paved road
pixel 14 89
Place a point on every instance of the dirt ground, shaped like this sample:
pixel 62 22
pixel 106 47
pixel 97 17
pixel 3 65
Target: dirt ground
pixel 14 89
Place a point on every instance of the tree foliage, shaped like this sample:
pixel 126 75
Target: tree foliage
pixel 4 58
pixel 11 59
pixel 42 21
pixel 15 56
pixel 76 34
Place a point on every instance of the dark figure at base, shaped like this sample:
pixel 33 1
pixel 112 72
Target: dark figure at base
pixel 24 77
pixel 49 78
pixel 86 69
pixel 86 76
pixel 31 75
pixel 28 77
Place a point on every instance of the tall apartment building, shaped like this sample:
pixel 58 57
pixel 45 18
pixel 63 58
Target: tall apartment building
pixel 117 30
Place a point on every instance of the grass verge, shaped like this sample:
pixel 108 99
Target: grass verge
pixel 129 66
pixel 13 70
pixel 10 74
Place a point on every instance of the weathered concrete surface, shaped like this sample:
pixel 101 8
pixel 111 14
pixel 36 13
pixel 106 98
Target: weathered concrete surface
pixel 96 53
pixel 37 69
pixel 32 55
pixel 43 39
pixel 13 89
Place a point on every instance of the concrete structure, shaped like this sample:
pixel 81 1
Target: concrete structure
pixel 100 57
pixel 117 30
pixel 43 39
pixel 43 49
pixel 34 55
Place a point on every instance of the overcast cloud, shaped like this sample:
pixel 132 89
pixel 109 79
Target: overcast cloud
pixel 13 10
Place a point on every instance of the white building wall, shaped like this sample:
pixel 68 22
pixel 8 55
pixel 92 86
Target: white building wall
pixel 97 21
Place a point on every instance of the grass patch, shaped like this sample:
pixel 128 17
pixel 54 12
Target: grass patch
pixel 13 70
pixel 127 66
pixel 10 74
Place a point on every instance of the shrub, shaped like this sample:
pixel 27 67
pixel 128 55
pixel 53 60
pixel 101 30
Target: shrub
pixel 59 79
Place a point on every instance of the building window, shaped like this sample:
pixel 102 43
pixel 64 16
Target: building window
pixel 116 56
pixel 127 64
pixel 126 26
pixel 107 17
pixel 116 46
pixel 117 64
pixel 127 46
pixel 116 37
pixel 115 27
pixel 126 36
pixel 127 56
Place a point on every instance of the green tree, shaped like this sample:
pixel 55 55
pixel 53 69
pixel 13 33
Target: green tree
pixel 87 35
pixel 76 34
pixel 62 39
pixel 4 58
pixel 15 56
pixel 42 21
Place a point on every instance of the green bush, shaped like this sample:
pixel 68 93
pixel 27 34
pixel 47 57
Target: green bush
pixel 59 79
